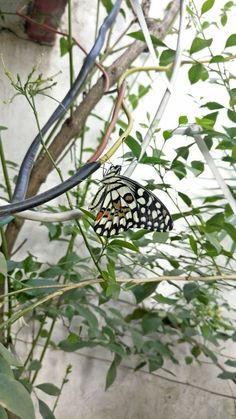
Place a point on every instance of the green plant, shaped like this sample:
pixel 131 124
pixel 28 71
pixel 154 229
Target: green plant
pixel 111 286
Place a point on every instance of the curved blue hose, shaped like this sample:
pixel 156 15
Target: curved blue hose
pixel 26 166
pixel 43 197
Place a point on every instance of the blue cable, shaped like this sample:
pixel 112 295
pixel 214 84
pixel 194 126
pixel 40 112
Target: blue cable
pixel 43 197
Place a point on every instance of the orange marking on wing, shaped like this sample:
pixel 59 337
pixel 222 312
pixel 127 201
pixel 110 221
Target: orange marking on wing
pixel 106 214
pixel 99 215
pixel 117 205
pixel 123 211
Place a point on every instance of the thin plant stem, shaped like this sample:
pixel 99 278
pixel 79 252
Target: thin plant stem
pixel 5 171
pixel 70 42
pixel 64 381
pixel 44 348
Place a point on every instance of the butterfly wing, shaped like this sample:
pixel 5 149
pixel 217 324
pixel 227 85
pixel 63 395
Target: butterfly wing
pixel 125 204
pixel 152 213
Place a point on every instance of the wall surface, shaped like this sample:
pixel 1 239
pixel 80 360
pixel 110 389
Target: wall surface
pixel 133 395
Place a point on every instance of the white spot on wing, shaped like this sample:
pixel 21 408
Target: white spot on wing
pixel 114 195
pixel 123 221
pixel 135 216
pixel 141 201
pixel 108 224
pixel 140 191
pixel 154 214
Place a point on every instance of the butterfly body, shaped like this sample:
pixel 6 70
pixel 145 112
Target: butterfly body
pixel 125 204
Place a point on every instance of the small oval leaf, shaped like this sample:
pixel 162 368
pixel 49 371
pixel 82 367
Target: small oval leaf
pixel 231 41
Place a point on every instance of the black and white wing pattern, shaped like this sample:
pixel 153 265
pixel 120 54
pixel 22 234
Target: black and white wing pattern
pixel 124 204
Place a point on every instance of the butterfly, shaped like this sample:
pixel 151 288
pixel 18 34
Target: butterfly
pixel 124 204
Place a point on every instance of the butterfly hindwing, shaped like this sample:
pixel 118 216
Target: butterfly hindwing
pixel 116 214
pixel 125 204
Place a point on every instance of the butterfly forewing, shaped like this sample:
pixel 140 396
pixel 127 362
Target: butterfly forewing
pixel 125 204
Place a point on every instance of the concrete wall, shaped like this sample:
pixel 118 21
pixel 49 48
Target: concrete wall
pixel 134 395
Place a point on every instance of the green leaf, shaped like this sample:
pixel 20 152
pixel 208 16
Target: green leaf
pixel 193 244
pixel 207 352
pixel 182 152
pixel 3 414
pixel 231 362
pixel 159 237
pixel 190 291
pixel 206 123
pixel 5 367
pixel 123 243
pixel 231 41
pixel 7 355
pixel 167 57
pixel 198 165
pixel 37 292
pixel 197 72
pixel 185 198
pixel 224 19
pixel 111 373
pixel 217 59
pixel 167 135
pixel 15 398
pixel 6 220
pixel 227 375
pixel 212 105
pixel 137 340
pixel 64 46
pixel 183 120
pixel 140 37
pixel 233 97
pixel 30 264
pixel 231 230
pixel 199 43
pixel 164 300
pixel 44 410
pixel 113 290
pixel 3 268
pixel 49 388
pixel 155 362
pixel 231 115
pixel 35 365
pixel 212 238
pixel 150 323
pixel 179 169
pixel 196 351
pixel 143 291
pixel 207 5
pixel 2 128
pixel 90 317
pixel 108 5
pixel 133 145
pixel 153 160
pixel 133 100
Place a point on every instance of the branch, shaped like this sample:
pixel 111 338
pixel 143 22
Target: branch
pixel 130 281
